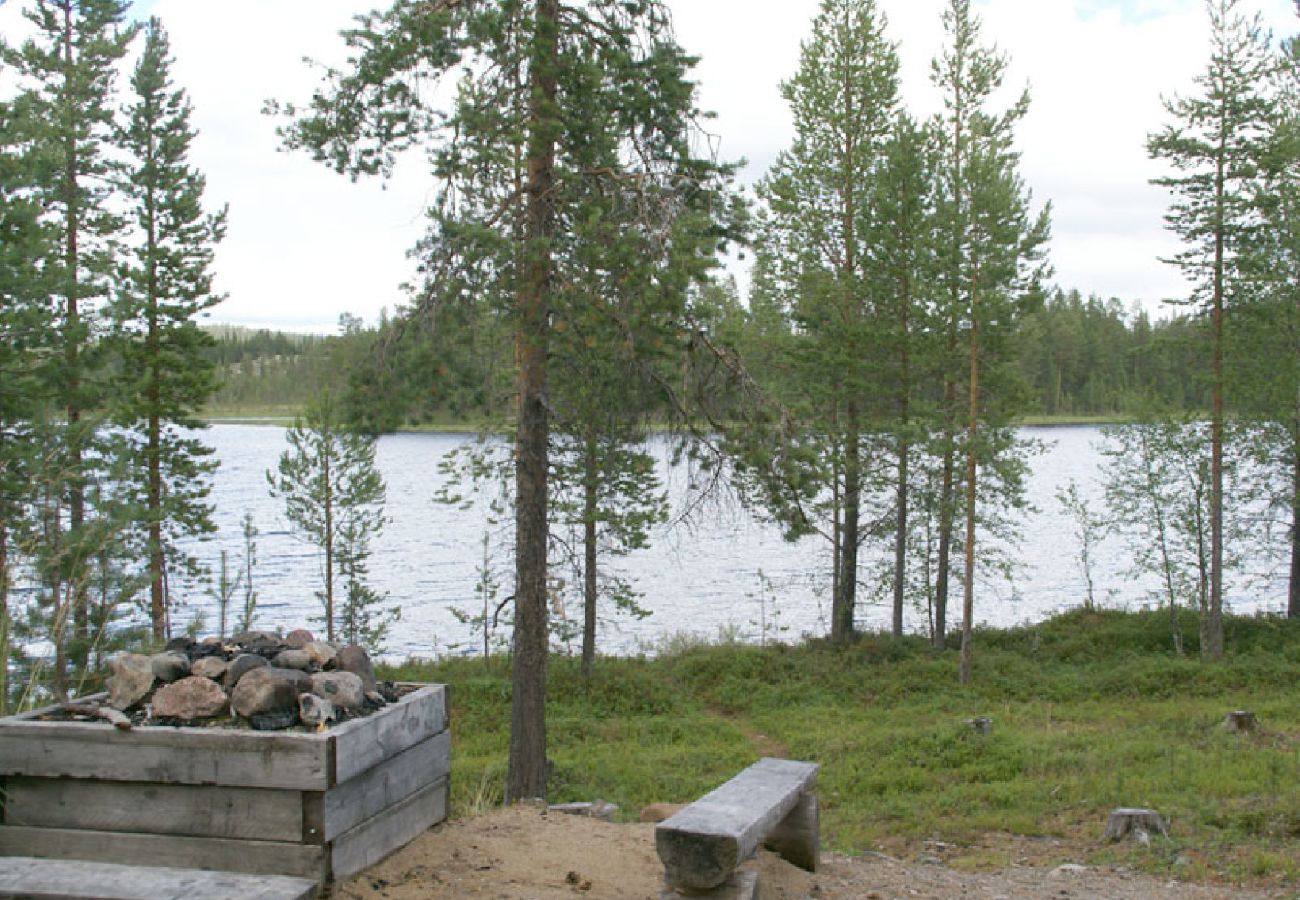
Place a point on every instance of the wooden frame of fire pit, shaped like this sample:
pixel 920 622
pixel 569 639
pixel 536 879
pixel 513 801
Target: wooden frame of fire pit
pixel 320 806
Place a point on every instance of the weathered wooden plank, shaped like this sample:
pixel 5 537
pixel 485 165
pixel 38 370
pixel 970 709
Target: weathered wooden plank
pixel 256 814
pixel 364 743
pixel 380 835
pixel 370 793
pixel 701 845
pixel 254 857
pixel 165 755
pixel 47 879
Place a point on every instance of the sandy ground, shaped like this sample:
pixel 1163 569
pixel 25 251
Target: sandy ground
pixel 524 853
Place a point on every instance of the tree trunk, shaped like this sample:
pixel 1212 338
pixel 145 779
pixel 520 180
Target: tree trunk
pixel 1214 625
pixel 327 487
pixel 845 604
pixel 4 618
pixel 526 774
pixel 1293 591
pixel 972 434
pixel 157 592
pixel 589 593
pixel 900 536
pixel 904 448
pixel 941 577
pixel 71 348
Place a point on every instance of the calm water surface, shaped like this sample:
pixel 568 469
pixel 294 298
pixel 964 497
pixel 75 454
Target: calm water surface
pixel 726 572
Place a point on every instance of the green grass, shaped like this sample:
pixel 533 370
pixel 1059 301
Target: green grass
pixel 1091 710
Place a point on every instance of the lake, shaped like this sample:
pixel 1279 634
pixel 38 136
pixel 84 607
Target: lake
pixel 725 573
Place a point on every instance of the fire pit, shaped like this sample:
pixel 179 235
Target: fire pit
pixel 320 805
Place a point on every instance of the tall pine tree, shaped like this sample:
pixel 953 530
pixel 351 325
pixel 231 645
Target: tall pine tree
pixel 66 74
pixel 1214 146
pixel 165 376
pixel 819 234
pixel 536 81
pixel 990 254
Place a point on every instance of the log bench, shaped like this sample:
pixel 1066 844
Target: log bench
pixel 770 803
pixel 28 877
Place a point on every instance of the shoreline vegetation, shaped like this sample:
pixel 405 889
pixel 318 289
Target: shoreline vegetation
pixel 1091 710
pixel 282 415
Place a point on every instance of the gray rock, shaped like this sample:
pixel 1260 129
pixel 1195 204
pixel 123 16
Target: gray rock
pixel 213 667
pixel 267 690
pixel 274 721
pixel 322 653
pixel 314 710
pixel 299 638
pixel 344 689
pixel 240 666
pixel 263 643
pixel 354 658
pixel 169 666
pixel 293 659
pixel 131 681
pixel 190 698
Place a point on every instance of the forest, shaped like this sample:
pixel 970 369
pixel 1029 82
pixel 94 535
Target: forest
pixel 899 320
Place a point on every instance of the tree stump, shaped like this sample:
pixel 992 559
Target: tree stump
pixel 1240 721
pixel 1136 823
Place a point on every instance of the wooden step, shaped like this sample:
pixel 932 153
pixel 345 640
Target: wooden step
pixel 71 879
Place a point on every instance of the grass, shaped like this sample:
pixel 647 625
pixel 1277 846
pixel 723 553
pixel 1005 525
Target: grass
pixel 1091 711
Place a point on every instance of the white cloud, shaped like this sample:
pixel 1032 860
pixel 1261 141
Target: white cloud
pixel 306 244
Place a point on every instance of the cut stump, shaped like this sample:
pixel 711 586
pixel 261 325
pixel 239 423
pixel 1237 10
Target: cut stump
pixel 1240 721
pixel 1136 823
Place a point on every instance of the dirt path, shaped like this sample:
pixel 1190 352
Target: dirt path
pixel 523 853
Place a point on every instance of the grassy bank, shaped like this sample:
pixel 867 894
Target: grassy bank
pixel 1090 711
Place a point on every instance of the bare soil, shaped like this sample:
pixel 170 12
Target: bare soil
pixel 525 853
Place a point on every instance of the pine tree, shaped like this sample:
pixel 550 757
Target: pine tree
pixel 165 376
pixel 334 497
pixel 990 257
pixel 538 83
pixel 1214 147
pixel 27 332
pixel 819 234
pixel 66 74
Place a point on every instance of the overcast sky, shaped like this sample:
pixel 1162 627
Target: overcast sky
pixel 305 245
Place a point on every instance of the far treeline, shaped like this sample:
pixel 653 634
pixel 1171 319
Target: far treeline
pixel 1081 359
pixel 568 295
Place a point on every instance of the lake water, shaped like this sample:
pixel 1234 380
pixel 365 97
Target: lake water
pixel 702 579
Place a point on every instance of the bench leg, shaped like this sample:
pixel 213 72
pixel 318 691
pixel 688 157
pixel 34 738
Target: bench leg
pixel 797 839
pixel 742 885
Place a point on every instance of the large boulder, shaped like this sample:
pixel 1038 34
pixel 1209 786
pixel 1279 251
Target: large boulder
pixel 213 667
pixel 293 659
pixel 298 638
pixel 190 698
pixel 131 680
pixel 354 658
pixel 344 689
pixel 269 690
pixel 322 652
pixel 170 666
pixel 241 665
pixel 314 710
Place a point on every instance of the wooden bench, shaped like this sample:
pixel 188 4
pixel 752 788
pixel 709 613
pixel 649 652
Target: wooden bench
pixel 769 803
pixel 28 877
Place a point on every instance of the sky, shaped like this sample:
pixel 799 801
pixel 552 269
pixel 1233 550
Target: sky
pixel 305 245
